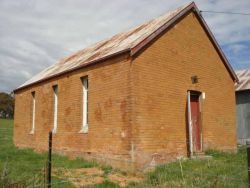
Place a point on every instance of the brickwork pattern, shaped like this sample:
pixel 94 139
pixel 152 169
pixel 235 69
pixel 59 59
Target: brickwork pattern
pixel 161 79
pixel 137 106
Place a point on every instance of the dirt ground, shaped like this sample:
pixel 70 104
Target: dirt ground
pixel 90 176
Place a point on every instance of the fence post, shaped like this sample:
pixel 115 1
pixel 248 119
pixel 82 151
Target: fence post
pixel 49 160
pixel 248 161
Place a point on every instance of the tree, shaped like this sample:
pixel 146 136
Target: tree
pixel 6 105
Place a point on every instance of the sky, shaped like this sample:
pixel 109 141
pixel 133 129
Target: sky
pixel 35 34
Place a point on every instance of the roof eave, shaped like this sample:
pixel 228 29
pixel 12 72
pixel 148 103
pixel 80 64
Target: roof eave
pixel 239 90
pixel 72 70
pixel 138 47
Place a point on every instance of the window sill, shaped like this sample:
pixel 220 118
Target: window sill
pixel 84 130
pixel 53 131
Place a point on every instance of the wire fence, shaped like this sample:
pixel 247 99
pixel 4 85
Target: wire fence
pixel 39 179
pixel 225 172
pixel 40 176
pixel 178 174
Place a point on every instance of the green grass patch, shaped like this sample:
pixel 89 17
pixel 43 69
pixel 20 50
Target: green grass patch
pixel 25 164
pixel 106 169
pixel 223 170
pixel 105 184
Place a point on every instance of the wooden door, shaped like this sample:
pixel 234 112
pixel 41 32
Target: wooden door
pixel 196 127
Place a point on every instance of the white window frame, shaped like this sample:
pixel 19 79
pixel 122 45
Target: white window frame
pixel 55 89
pixel 85 127
pixel 190 124
pixel 33 94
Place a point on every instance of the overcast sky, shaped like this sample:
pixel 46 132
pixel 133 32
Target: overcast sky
pixel 37 33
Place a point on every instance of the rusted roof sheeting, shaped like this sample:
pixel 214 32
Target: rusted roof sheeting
pixel 115 44
pixel 131 41
pixel 244 80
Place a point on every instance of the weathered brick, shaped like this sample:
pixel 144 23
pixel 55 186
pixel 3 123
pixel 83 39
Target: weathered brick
pixel 137 106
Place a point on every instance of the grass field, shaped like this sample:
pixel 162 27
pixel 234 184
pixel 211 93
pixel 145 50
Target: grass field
pixel 223 170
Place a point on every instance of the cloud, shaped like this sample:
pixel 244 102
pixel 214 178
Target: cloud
pixel 238 53
pixel 35 34
pixel 237 48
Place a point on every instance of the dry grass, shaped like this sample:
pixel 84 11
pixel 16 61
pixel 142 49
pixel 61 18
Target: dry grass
pixel 91 176
pixel 223 170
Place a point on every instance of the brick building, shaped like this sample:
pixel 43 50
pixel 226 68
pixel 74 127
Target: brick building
pixel 143 97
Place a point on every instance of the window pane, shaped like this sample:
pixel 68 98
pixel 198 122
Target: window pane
pixel 55 88
pixel 84 105
pixel 33 111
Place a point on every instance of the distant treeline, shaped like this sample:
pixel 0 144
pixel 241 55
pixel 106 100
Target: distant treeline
pixel 6 105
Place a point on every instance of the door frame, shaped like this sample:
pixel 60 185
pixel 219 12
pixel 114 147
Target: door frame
pixel 189 118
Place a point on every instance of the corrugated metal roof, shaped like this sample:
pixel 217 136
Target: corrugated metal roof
pixel 244 80
pixel 131 41
pixel 113 45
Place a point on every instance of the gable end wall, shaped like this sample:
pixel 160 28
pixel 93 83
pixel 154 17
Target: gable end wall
pixel 161 78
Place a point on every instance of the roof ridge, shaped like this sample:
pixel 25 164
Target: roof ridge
pixel 130 41
pixel 126 31
pixel 115 44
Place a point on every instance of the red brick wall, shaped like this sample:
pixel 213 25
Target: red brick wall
pixel 161 77
pixel 137 107
pixel 109 107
